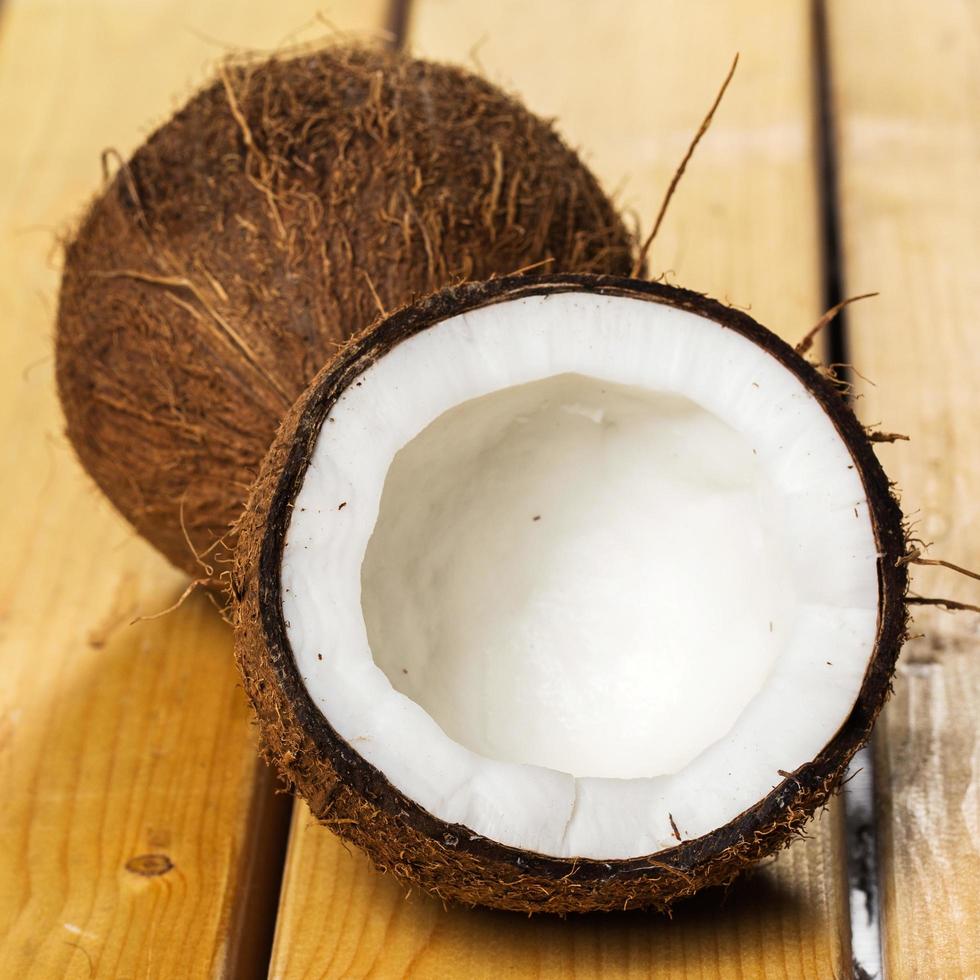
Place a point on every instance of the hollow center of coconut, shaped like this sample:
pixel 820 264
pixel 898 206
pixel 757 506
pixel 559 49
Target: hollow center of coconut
pixel 576 570
pixel 580 574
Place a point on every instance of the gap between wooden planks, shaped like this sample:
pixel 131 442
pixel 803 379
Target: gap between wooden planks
pixel 905 95
pixel 629 82
pixel 139 836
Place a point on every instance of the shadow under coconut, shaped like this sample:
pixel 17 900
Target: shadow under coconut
pixel 717 925
pixel 341 918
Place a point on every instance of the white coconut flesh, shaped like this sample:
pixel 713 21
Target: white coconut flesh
pixel 573 569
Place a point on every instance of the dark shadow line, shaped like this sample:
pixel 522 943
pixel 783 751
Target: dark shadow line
pixel 397 24
pixel 829 187
pixel 860 814
pixel 255 922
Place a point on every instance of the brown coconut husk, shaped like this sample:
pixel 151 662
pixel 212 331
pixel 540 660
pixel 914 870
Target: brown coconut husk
pixel 451 861
pixel 280 211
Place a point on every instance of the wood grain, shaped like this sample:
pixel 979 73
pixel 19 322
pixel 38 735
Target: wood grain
pixel 928 782
pixel 906 90
pixel 139 837
pixel 630 82
pixel 341 919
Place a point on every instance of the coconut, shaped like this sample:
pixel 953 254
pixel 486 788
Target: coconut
pixel 281 210
pixel 568 593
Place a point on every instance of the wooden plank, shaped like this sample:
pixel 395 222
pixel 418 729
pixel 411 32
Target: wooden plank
pixel 905 91
pixel 928 773
pixel 340 918
pixel 138 834
pixel 630 81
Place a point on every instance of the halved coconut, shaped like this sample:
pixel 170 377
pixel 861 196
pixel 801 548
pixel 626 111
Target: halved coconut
pixel 569 593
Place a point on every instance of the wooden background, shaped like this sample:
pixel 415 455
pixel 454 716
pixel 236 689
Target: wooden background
pixel 139 837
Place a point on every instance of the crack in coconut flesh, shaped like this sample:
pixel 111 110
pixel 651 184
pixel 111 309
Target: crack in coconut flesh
pixel 569 594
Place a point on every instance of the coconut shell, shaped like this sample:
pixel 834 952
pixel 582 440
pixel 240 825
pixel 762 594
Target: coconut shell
pixel 279 212
pixel 358 802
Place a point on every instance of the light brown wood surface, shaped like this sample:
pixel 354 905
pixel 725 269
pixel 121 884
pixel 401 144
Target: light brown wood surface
pixel 629 89
pixel 339 918
pixel 908 118
pixel 127 749
pixel 628 83
pixel 123 749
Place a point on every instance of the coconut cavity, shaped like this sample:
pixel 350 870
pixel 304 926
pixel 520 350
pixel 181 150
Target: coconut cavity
pixel 582 573
pixel 276 214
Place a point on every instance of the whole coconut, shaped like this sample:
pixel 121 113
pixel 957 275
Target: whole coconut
pixel 279 212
